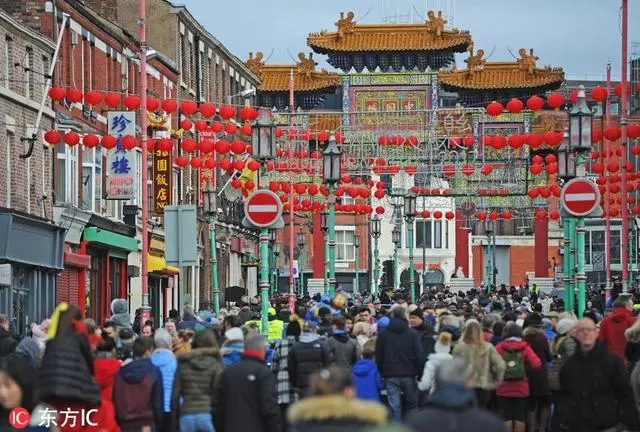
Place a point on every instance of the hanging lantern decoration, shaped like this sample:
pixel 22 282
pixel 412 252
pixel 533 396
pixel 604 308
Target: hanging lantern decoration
pixel 201 126
pixel 467 169
pixel 449 215
pixel 534 140
pixel 380 210
pixel 182 161
pixel 514 106
pixel 186 125
pixel 249 185
pixel 494 109
pixel 152 104
pixel 449 170
pixel 617 90
pixel 537 159
pixel 323 136
pixel 535 103
pixel 236 183
pixel 633 131
pixel 613 167
pixel 165 144
pixel 225 164
pixel 635 150
pixel 411 169
pixel 210 163
pixel 108 142
pixel 614 212
pixel 515 141
pixel 189 145
pixel 533 193
pixel 553 138
pixel 551 168
pixel 112 100
pixel 544 192
pixel 238 147
pixel 238 165
pixel 74 95
pixel 90 140
pixel 487 141
pixel 71 138
pixel 535 169
pixel 412 141
pixel 573 97
pixel 454 142
pixel 230 129
pixel 499 142
pixel 379 194
pixel 207 110
pixel 493 215
pixel 169 105
pixel 507 215
pixel 596 135
pixel 227 112
pixel 555 100
pixel 486 170
pixel 57 93
pixel 129 142
pixel 612 133
pixel 437 214
pixel 245 130
pixel 52 137
pixel 599 94
pixel 93 98
pixel 468 140
pixel 313 190
pixel 132 102
pixel 554 215
pixel 305 135
pixel 482 215
pixel 550 158
pixel 188 107
pixel 205 146
pixel 597 168
pixel 248 113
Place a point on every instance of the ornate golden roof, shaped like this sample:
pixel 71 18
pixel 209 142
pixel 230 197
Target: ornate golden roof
pixel 483 75
pixel 275 78
pixel 353 37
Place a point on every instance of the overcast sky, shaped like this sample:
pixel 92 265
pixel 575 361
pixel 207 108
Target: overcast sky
pixel 579 35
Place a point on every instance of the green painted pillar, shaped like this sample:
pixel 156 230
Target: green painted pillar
pixel 376 268
pixel 489 267
pixel 326 264
pixel 581 277
pixel 412 281
pixel 214 265
pixel 332 241
pixel 301 273
pixel 264 279
pixel 566 261
pixel 572 264
pixel 395 268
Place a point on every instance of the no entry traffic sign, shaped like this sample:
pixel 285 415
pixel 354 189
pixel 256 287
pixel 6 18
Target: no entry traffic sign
pixel 580 197
pixel 263 208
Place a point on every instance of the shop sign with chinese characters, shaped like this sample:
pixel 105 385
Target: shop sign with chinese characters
pixel 121 164
pixel 161 181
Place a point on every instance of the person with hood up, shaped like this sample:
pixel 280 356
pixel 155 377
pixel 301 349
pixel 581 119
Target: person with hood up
pixel 138 398
pixel 307 356
pixel 247 398
pixel 451 406
pixel 189 319
pixel 599 396
pixel 29 349
pixel 333 407
pixel 539 403
pixel 7 343
pixel 562 348
pixel 164 359
pixel 196 384
pixel 276 325
pixel 107 366
pixel 232 346
pixel 366 376
pixel 343 349
pixel 279 366
pixel 485 367
pixel 120 314
pixel 400 359
pixel 613 327
pixel 513 391
pixel 441 354
pixel 425 330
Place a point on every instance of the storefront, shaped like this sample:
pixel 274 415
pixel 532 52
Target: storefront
pixel 162 280
pixel 33 248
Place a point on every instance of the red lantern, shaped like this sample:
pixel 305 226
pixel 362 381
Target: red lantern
pixel 222 147
pixel 238 165
pixel 236 183
pixel 238 147
pixel 313 190
pixel 551 168
pixel 186 124
pixel 533 193
pixel 93 98
pixel 165 144
pixel 482 215
pixel 74 95
pixel 112 100
pixel 487 141
pixel 188 107
pixel 553 138
pixel 515 141
pixel 132 102
pixel 613 167
pixel 129 142
pixel 499 142
pixel 617 90
pixel 535 103
pixel 245 130
pixel 379 194
pixel 544 192
pixel 555 100
pixel 71 138
pixel 230 129
pixel 412 141
pixel 514 106
pixel 90 140
pixel 468 140
pixel 189 145
pixel 169 105
pixel 633 131
pixel 614 212
pixel 506 215
pixel 597 168
pixel 248 113
pixel 205 146
pixel 449 215
pixel 380 210
pixel 635 150
pixel 493 215
pixel 599 94
pixel 182 161
pixel 52 137
pixel 494 109
pixel 467 169
pixel 108 142
pixel 323 136
pixel 534 140
pixel 554 215
pixel 225 164
pixel 535 169
pixel 550 158
pixel 596 135
pixel 152 104
pixel 437 214
pixel 449 170
pixel 57 93
pixel 612 133
pixel 537 159
pixel 249 185
pixel 573 97
pixel 210 163
pixel 227 112
pixel 486 170
pixel 207 110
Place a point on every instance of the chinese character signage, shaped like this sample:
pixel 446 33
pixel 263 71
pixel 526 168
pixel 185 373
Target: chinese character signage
pixel 121 177
pixel 161 181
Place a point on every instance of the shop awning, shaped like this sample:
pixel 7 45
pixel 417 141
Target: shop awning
pixel 110 239
pixel 159 265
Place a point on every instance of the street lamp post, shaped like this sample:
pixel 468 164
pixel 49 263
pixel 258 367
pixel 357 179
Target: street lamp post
pixel 276 254
pixel 332 163
pixel 395 238
pixel 324 222
pixel 264 149
pixel 301 242
pixel 489 229
pixel 356 244
pixel 409 216
pixel 210 208
pixel 375 230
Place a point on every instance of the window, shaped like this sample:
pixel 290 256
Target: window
pixel 67 174
pixel 437 234
pixel 28 82
pixel 175 186
pixel 6 64
pixel 345 249
pixel 346 200
pixel 615 246
pixel 92 179
pixel 44 73
pixel 597 242
pixel 423 234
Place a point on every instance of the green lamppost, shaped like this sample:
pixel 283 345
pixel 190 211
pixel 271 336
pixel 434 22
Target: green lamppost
pixel 331 166
pixel 210 207
pixel 395 238
pixel 409 216
pixel 324 224
pixel 375 228
pixel 263 145
pixel 356 244
pixel 489 229
pixel 301 242
pixel 276 254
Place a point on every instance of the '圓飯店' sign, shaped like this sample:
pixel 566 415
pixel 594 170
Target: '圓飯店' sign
pixel 121 170
pixel 161 181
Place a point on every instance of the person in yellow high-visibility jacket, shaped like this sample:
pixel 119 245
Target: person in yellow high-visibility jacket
pixel 276 326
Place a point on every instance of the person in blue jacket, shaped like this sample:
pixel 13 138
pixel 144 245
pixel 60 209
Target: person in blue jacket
pixel 164 359
pixel 366 377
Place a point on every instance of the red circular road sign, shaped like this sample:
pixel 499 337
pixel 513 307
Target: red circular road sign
pixel 263 208
pixel 580 197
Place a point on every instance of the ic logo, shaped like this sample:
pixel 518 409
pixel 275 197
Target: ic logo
pixel 19 418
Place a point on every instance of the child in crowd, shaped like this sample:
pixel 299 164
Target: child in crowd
pixel 366 376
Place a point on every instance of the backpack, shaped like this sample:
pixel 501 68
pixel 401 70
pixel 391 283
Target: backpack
pixel 515 369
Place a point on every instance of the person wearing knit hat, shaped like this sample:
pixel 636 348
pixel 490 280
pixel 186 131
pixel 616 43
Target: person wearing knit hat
pixel 441 354
pixel 565 325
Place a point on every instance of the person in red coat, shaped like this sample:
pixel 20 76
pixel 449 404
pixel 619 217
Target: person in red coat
pixel 107 366
pixel 613 327
pixel 513 391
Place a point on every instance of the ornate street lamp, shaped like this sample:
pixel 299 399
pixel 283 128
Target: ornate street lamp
pixel 331 171
pixel 301 240
pixel 210 207
pixel 375 228
pixel 580 124
pixel 395 238
pixel 409 217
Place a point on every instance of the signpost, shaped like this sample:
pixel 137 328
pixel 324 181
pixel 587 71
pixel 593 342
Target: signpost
pixel 263 208
pixel 580 197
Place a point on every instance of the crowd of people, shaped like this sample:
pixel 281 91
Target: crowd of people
pixel 505 361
